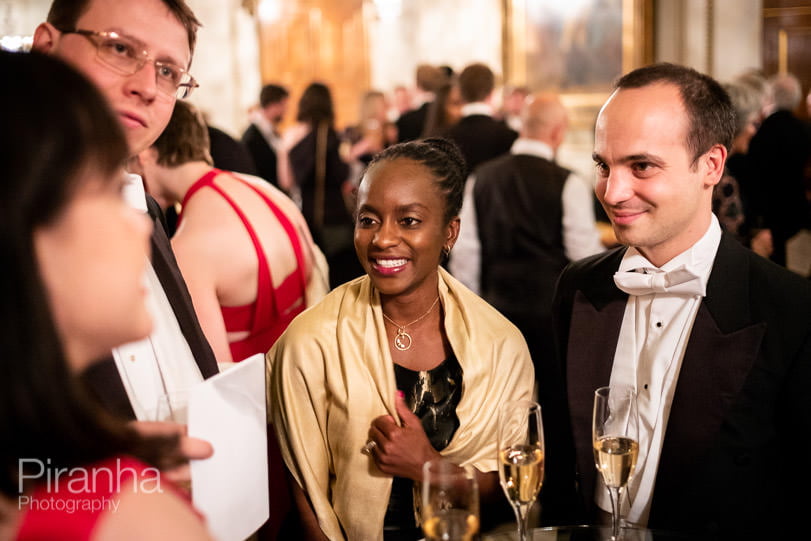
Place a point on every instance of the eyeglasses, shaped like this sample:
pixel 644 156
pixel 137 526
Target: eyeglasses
pixel 127 56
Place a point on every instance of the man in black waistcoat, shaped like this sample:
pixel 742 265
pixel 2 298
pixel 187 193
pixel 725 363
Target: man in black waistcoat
pixel 523 219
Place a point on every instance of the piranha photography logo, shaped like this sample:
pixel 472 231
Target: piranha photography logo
pixel 80 489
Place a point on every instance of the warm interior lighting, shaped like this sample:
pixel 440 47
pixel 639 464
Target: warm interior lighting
pixel 16 43
pixel 270 11
pixel 388 10
pixel 552 11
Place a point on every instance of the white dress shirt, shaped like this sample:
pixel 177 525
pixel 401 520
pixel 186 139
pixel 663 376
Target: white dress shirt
pixel 477 108
pixel 162 362
pixel 653 338
pixel 266 128
pixel 580 235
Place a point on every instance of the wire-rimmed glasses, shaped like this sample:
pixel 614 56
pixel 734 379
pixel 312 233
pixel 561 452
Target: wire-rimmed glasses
pixel 127 56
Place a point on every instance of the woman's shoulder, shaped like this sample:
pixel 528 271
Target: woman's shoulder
pixel 208 211
pixel 109 499
pixel 155 514
pixel 146 493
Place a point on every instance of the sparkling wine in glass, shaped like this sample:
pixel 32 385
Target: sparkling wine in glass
pixel 449 508
pixel 615 435
pixel 521 457
pixel 173 407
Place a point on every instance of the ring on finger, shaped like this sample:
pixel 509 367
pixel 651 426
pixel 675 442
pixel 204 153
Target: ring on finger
pixel 369 448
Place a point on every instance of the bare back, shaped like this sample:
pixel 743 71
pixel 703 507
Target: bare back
pixel 217 254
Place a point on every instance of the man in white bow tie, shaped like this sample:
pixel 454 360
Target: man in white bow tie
pixel 715 339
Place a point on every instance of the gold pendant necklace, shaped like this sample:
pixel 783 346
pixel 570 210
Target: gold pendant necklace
pixel 403 340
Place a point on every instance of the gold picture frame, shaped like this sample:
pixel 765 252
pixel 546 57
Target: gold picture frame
pixel 576 48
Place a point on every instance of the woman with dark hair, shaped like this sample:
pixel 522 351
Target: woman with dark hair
pixel 71 289
pixel 444 112
pixel 321 178
pixel 397 367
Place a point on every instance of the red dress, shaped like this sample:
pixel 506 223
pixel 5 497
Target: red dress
pixel 274 308
pixel 265 319
pixel 69 507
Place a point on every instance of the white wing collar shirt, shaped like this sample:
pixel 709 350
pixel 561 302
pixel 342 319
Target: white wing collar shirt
pixel 659 316
pixel 162 362
pixel 477 108
pixel 268 131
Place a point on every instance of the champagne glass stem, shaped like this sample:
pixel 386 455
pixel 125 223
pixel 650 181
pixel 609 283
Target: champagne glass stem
pixel 616 494
pixel 522 517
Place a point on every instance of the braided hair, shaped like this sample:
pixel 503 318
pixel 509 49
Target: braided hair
pixel 442 158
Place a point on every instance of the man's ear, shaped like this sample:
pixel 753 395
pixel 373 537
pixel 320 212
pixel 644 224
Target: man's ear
pixel 46 38
pixel 713 162
pixel 559 134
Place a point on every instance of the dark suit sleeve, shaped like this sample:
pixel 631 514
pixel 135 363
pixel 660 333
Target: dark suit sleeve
pixel 560 504
pixel 262 155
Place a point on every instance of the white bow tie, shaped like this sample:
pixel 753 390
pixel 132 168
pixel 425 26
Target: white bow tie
pixel 679 280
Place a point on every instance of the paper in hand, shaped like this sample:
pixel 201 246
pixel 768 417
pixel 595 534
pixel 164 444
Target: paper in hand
pixel 231 487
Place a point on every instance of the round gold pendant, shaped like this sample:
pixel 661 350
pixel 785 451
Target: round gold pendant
pixel 402 341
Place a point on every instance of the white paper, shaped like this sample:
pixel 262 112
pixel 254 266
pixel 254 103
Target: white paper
pixel 231 487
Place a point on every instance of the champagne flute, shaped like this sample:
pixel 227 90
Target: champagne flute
pixel 615 436
pixel 173 407
pixel 521 457
pixel 449 508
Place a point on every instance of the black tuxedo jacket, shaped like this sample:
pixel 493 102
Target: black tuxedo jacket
pixel 736 444
pixel 103 378
pixel 264 157
pixel 411 123
pixel 481 138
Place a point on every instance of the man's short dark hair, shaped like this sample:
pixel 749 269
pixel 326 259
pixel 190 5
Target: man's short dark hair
pixel 64 14
pixel 709 109
pixel 271 94
pixel 476 82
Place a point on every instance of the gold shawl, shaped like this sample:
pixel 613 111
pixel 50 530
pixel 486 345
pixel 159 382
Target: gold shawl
pixel 331 373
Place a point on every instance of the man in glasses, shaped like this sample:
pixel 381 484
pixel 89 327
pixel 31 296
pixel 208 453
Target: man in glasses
pixel 138 55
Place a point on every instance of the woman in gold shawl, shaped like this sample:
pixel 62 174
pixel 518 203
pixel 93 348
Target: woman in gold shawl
pixel 397 367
